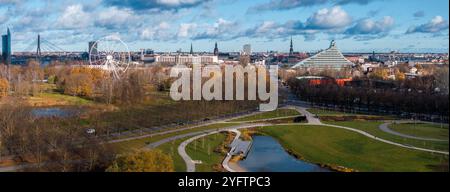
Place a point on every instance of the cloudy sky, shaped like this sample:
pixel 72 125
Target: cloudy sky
pixel 168 25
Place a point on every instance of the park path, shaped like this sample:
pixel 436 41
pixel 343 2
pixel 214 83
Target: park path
pixel 316 121
pixel 190 163
pixel 385 127
pixel 312 120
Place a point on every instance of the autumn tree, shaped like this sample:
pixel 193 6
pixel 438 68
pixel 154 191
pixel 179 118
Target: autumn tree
pixel 4 87
pixel 142 161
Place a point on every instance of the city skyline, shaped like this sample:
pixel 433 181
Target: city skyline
pixel 356 25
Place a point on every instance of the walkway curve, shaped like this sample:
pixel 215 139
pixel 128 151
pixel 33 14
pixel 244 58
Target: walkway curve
pixel 227 159
pixel 385 127
pixel 190 164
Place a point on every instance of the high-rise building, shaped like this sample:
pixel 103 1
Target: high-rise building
pixel 93 48
pixel 6 48
pixel 247 49
pixel 216 50
pixel 192 50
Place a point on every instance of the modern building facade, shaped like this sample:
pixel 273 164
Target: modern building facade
pixel 329 58
pixel 6 48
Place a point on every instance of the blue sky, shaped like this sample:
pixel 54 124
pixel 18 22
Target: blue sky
pixel 169 25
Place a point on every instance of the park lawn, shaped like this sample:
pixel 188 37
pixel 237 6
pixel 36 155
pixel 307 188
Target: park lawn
pixel 339 147
pixel 171 149
pixel 426 130
pixel 325 112
pixel 57 99
pixel 372 127
pixel 269 115
pixel 203 149
pixel 127 146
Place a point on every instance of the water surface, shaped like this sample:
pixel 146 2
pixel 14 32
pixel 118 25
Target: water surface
pixel 267 155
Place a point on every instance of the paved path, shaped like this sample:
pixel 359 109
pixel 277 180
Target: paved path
pixel 385 127
pixel 312 120
pixel 190 164
pixel 229 155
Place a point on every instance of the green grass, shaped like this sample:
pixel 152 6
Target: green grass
pixel 59 99
pixel 426 130
pixel 324 112
pixel 372 127
pixel 269 115
pixel 171 149
pixel 338 147
pixel 140 143
pixel 203 149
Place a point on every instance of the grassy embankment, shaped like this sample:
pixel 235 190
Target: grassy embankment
pixel 337 147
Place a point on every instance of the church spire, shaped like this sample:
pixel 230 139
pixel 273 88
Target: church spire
pixel 291 50
pixel 216 50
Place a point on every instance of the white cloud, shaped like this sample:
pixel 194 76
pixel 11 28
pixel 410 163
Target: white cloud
pixel 186 29
pixel 74 17
pixel 329 19
pixel 437 24
pixel 219 29
pixel 114 17
pixel 368 26
pixel 159 32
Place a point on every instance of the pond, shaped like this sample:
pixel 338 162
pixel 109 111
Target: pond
pixel 51 112
pixel 267 155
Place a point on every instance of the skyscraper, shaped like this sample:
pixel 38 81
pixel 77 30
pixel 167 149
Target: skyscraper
pixel 6 48
pixel 192 50
pixel 216 50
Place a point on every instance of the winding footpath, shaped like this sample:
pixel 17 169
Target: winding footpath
pixel 312 120
pixel 190 163
pixel 385 127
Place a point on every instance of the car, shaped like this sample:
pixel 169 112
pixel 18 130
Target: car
pixel 90 131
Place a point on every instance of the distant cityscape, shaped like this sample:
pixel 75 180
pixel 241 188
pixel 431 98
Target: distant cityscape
pixel 149 56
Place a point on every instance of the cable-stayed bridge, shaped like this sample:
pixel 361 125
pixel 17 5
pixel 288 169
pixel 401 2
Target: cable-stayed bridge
pixel 44 51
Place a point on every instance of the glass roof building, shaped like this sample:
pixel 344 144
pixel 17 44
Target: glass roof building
pixel 329 58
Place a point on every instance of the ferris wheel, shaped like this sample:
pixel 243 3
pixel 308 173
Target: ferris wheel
pixel 111 54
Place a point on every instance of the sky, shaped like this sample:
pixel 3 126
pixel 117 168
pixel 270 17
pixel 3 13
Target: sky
pixel 268 25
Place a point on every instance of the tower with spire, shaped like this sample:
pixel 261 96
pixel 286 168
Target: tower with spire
pixel 291 50
pixel 192 50
pixel 216 50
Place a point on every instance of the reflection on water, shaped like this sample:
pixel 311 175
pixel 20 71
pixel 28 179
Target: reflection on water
pixel 267 155
pixel 50 112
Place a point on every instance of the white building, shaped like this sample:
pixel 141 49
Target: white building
pixel 187 59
